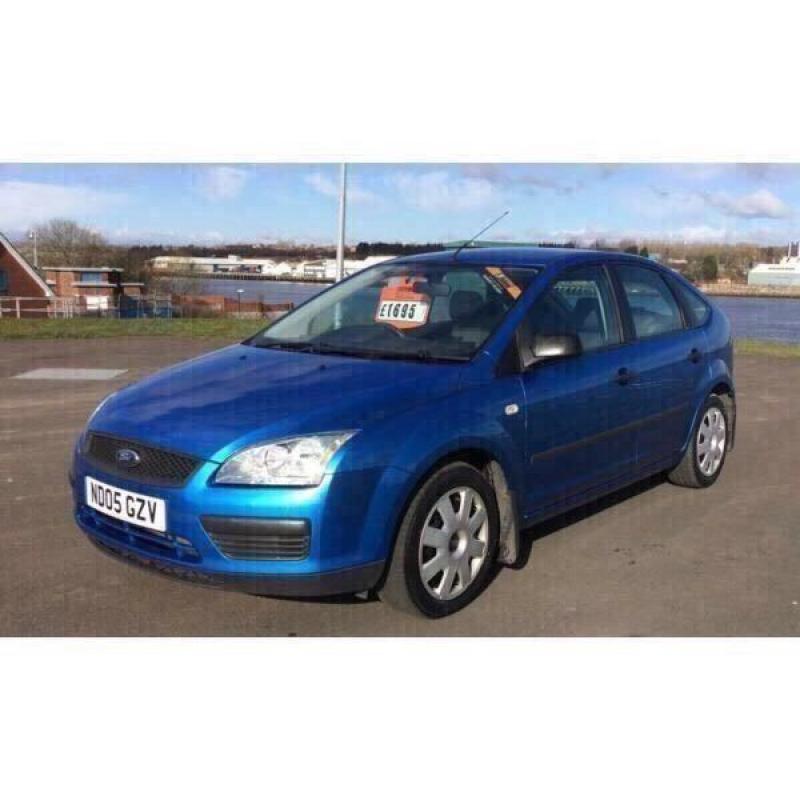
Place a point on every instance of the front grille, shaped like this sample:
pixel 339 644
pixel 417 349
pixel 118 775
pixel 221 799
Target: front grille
pixel 259 539
pixel 156 466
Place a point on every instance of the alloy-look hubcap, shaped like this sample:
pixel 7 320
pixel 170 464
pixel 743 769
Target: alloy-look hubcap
pixel 711 439
pixel 454 542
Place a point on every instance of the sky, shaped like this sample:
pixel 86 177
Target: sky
pixel 213 204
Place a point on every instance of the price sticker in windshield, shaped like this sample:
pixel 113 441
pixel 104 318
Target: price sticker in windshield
pixel 403 313
pixel 402 304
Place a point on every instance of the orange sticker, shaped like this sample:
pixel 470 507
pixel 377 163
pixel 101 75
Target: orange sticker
pixel 402 307
pixel 510 287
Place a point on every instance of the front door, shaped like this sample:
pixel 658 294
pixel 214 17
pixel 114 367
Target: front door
pixel 580 410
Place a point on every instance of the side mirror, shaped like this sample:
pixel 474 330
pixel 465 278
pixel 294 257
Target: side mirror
pixel 547 347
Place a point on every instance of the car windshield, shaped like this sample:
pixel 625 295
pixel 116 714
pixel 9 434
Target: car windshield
pixel 412 310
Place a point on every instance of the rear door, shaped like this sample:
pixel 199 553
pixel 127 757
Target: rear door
pixel 580 411
pixel 668 361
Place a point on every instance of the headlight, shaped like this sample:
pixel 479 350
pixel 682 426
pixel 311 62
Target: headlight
pixel 299 461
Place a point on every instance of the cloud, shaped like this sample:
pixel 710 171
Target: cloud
pixel 25 203
pixel 222 183
pixel 761 203
pixel 330 188
pixel 541 177
pixel 125 235
pixel 438 190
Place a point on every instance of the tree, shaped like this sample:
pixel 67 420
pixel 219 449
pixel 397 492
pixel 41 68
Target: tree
pixel 710 268
pixel 64 243
pixel 644 252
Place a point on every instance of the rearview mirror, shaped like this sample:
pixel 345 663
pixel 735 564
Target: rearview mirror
pixel 551 346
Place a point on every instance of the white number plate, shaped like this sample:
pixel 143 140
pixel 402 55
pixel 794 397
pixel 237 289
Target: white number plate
pixel 412 311
pixel 138 509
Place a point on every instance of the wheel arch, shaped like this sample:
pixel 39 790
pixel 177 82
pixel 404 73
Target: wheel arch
pixel 483 458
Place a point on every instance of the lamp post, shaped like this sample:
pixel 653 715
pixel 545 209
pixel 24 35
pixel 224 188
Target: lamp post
pixel 342 214
pixel 33 235
pixel 239 293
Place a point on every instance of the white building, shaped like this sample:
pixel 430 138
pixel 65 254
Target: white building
pixel 785 273
pixel 218 264
pixel 319 269
pixel 325 268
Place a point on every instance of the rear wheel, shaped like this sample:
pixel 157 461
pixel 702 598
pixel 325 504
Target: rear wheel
pixel 446 544
pixel 705 456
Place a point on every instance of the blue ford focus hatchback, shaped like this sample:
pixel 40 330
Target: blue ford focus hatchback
pixel 397 432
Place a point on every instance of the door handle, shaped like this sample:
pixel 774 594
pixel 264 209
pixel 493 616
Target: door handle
pixel 624 376
pixel 695 356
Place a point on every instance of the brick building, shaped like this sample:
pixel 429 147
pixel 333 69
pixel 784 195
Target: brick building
pixel 94 288
pixel 18 279
pixel 59 291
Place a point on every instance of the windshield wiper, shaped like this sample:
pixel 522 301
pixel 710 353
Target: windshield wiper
pixel 321 348
pixel 412 355
pixel 302 347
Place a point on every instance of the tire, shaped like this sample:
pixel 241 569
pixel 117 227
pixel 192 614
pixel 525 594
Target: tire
pixel 442 562
pixel 695 470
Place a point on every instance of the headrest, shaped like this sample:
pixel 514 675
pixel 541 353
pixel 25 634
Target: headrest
pixel 463 304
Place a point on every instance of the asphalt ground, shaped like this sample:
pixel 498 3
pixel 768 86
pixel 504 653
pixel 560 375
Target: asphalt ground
pixel 655 560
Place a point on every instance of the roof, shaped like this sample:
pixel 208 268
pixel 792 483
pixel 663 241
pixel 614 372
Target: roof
pixel 20 259
pixel 527 256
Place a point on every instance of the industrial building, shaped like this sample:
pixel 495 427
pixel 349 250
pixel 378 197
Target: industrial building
pixel 785 273
pixel 204 265
pixel 323 269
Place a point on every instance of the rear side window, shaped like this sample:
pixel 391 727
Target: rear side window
pixel 653 307
pixel 696 307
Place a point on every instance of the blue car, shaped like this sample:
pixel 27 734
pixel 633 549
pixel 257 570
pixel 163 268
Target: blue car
pixel 395 433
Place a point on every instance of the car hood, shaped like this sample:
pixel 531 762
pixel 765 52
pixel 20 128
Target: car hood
pixel 217 403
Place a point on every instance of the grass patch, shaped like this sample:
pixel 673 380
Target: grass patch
pixel 234 329
pixel 89 328
pixel 760 347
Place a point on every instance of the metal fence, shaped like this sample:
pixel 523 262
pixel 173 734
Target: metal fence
pixel 147 306
pixel 158 306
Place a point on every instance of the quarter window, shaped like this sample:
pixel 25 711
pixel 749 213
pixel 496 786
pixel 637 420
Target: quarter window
pixel 696 307
pixel 579 304
pixel 653 307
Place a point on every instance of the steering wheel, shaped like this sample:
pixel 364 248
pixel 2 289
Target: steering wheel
pixel 396 331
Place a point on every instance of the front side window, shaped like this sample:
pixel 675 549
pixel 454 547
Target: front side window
pixel 414 310
pixel 653 307
pixel 579 304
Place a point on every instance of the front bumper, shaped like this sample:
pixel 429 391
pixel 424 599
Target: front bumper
pixel 343 581
pixel 350 516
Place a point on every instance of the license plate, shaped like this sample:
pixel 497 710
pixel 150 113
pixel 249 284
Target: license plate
pixel 138 509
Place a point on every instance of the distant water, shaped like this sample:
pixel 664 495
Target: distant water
pixel 775 319
pixel 266 291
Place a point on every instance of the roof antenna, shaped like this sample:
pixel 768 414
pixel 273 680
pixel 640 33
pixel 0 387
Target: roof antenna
pixel 479 233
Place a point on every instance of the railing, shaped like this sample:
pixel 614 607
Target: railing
pixel 147 306
pixel 69 307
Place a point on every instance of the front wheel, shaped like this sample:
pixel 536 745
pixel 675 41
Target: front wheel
pixel 446 544
pixel 702 463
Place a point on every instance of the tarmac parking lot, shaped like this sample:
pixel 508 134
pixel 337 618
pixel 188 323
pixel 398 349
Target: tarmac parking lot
pixel 656 560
